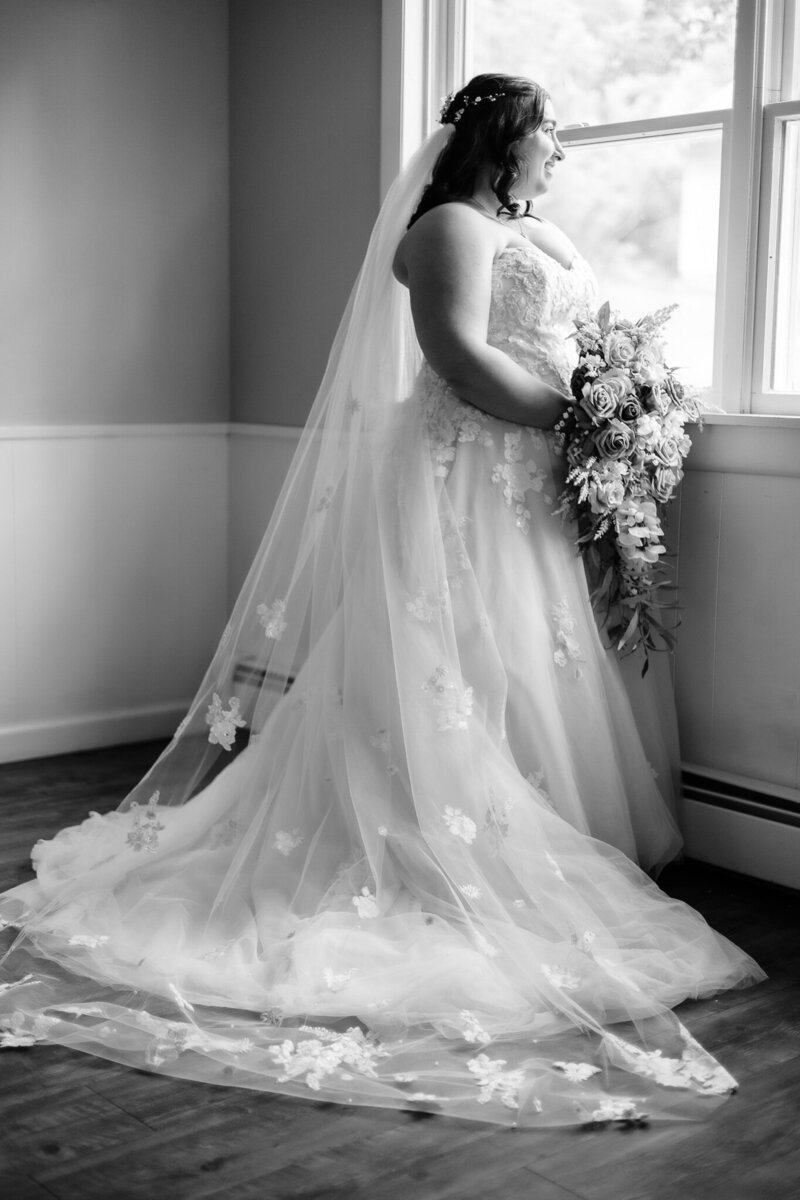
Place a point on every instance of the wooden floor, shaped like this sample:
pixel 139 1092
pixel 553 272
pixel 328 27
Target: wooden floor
pixel 80 1128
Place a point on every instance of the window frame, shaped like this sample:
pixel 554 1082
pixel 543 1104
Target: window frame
pixel 427 52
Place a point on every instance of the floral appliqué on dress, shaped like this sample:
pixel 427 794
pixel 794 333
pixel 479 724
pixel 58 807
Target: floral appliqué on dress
pixel 470 890
pixel 454 705
pixel 224 722
pixel 146 826
pixel 577 1072
pixel 21 1029
pixel 427 605
pixel 382 741
pixel 519 476
pixel 272 618
pixel 568 648
pixel 366 905
pixel 315 1058
pixel 496 822
pixel 90 940
pixel 473 1030
pixel 620 1110
pixel 561 978
pixel 286 841
pixel 449 421
pixel 459 824
pixel 694 1069
pixel 454 531
pixel 494 1081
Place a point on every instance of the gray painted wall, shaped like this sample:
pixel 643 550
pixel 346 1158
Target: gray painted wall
pixel 305 160
pixel 114 220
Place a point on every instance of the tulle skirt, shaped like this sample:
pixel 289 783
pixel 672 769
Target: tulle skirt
pixel 416 885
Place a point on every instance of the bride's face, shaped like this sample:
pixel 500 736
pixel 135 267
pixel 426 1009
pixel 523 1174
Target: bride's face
pixel 539 152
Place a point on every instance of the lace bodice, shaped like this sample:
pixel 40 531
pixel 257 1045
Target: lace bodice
pixel 534 300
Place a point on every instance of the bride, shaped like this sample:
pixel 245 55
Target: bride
pixel 414 882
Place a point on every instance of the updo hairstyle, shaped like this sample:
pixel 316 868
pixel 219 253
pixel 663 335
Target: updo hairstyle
pixel 490 115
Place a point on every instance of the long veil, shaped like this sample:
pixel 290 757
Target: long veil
pixel 335 880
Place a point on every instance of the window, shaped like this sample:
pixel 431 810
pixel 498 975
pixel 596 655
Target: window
pixel 681 121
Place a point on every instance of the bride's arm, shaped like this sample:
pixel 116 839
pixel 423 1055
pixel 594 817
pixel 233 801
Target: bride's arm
pixel 446 261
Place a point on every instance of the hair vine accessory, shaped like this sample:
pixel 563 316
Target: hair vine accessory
pixel 465 103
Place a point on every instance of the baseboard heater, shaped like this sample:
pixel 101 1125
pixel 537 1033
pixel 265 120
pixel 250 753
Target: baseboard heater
pixel 248 676
pixel 741 796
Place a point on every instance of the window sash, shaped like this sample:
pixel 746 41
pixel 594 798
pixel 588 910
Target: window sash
pixel 764 398
pixel 427 53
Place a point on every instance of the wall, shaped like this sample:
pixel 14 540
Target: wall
pixel 114 367
pixel 118 470
pixel 114 204
pixel 112 540
pixel 305 164
pixel 738 660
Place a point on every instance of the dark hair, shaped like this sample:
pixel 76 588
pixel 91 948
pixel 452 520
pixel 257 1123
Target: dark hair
pixel 490 115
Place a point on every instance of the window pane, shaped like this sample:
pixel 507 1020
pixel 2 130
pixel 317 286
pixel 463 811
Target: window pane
pixel 621 60
pixel 786 359
pixel 645 214
pixel 790 89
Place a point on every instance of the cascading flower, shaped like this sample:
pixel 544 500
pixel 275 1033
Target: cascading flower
pixel 624 443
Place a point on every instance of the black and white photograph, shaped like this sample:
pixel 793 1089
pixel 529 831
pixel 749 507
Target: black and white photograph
pixel 399 666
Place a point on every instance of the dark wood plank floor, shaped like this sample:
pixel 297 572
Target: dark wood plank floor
pixel 80 1128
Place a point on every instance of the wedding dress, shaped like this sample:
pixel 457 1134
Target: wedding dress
pixel 415 884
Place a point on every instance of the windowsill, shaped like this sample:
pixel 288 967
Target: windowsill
pixel 753 420
pixel 746 444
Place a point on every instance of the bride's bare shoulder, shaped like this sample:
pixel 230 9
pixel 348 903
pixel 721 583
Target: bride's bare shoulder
pixel 453 229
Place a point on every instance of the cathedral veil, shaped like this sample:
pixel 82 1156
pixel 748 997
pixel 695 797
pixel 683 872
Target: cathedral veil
pixel 336 881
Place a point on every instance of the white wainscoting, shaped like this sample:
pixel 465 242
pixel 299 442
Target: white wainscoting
pixel 113 545
pixel 738 660
pixel 259 460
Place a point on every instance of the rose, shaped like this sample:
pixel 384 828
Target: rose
pixel 601 397
pixel 660 401
pixel 667 451
pixel 675 388
pixel 619 349
pixel 664 482
pixel 684 397
pixel 630 409
pixel 615 441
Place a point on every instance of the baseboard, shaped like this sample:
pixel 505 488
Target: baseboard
pixel 89 731
pixel 742 824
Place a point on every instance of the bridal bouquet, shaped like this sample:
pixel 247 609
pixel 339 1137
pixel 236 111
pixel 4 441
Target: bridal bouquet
pixel 624 443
